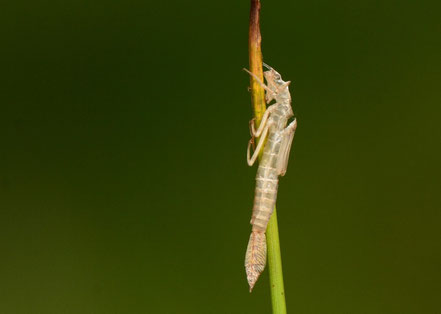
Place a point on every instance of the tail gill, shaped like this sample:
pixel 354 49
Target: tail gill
pixel 255 258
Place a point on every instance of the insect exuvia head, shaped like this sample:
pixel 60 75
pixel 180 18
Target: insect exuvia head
pixel 273 78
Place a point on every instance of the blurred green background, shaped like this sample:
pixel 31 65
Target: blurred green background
pixel 123 179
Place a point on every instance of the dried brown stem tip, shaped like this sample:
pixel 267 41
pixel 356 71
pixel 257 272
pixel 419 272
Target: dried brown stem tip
pixel 255 59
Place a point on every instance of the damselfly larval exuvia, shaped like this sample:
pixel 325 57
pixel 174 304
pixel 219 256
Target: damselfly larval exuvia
pixel 276 137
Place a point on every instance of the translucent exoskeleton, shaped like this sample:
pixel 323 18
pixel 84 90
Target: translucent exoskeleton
pixel 276 137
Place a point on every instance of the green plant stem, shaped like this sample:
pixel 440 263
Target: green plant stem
pixel 259 107
pixel 275 266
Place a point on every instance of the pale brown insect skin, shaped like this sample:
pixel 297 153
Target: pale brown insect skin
pixel 272 165
pixel 255 259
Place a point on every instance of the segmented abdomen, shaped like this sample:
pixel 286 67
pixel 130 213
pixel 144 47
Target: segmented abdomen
pixel 266 184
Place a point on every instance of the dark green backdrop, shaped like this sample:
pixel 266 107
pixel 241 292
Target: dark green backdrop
pixel 123 181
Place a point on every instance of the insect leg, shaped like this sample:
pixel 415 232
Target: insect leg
pixel 256 133
pixel 267 66
pixel 258 80
pixel 251 160
pixel 285 147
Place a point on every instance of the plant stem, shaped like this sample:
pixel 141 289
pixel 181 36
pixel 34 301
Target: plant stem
pixel 259 107
pixel 275 266
pixel 255 57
